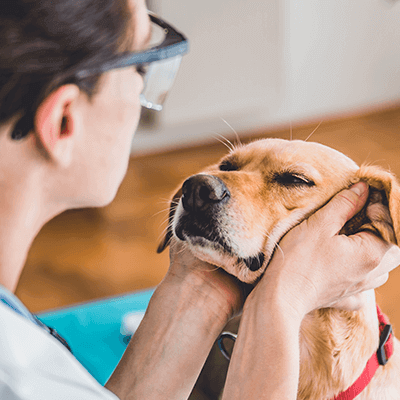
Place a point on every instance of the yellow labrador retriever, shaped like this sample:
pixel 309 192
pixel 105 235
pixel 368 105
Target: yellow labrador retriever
pixel 234 214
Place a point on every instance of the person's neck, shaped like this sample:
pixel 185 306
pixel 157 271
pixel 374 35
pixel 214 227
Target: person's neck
pixel 17 231
pixel 24 208
pixel 23 212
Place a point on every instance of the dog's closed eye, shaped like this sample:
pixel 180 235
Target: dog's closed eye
pixel 292 179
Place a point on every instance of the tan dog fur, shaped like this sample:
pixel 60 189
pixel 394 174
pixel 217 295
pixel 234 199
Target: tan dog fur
pixel 334 345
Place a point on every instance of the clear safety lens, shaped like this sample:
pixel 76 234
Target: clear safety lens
pixel 158 81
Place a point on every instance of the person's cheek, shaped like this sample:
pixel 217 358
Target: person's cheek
pixel 136 106
pixel 131 88
pixel 131 85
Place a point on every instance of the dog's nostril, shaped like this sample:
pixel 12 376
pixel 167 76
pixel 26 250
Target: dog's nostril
pixel 187 201
pixel 202 190
pixel 205 193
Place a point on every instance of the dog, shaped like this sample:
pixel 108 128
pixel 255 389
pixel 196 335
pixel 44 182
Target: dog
pixel 233 215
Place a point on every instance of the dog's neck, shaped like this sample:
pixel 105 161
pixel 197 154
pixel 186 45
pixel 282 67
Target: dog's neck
pixel 335 346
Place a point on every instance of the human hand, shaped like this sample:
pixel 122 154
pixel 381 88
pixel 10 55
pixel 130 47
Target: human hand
pixel 227 292
pixel 184 317
pixel 316 267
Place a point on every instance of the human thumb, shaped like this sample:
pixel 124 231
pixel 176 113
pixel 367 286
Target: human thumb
pixel 342 207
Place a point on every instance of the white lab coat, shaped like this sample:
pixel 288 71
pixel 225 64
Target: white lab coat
pixel 36 366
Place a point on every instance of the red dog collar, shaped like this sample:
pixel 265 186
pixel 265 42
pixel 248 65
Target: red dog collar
pixel 381 357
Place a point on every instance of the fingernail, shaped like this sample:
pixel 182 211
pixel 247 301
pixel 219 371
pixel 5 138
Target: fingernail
pixel 359 188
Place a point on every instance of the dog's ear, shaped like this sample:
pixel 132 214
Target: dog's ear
pixel 168 235
pixel 381 213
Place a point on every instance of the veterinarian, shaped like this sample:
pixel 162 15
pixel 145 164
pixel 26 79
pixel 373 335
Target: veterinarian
pixel 68 112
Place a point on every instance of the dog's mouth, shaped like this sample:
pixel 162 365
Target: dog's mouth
pixel 188 228
pixel 210 236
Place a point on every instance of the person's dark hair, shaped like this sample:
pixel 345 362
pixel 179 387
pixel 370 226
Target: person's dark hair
pixel 44 43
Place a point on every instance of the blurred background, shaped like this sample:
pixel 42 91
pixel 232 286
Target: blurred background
pixel 263 69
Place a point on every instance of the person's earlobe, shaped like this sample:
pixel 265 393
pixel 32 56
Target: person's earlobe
pixel 55 124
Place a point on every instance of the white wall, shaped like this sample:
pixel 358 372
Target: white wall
pixel 341 55
pixel 260 63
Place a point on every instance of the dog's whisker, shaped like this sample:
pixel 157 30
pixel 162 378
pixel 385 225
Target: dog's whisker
pixel 164 201
pixel 239 143
pixel 164 224
pixel 211 270
pixel 282 252
pixel 225 142
pixel 266 234
pixel 161 236
pixel 308 137
pixel 165 230
pixel 173 208
pixel 274 242
pixel 161 211
pixel 168 226
pixel 182 250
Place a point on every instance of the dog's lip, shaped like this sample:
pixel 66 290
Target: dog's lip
pixel 191 232
pixel 194 238
pixel 197 236
pixel 254 263
pixel 186 230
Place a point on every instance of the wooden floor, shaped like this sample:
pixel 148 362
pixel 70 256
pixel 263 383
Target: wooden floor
pixel 92 253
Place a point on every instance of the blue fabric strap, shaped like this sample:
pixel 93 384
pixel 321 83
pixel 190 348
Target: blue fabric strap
pixel 12 301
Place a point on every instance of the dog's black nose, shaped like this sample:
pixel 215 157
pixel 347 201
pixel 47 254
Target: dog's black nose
pixel 201 191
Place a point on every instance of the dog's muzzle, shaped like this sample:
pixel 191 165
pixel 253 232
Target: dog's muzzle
pixel 203 201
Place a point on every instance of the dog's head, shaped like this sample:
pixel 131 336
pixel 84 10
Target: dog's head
pixel 234 213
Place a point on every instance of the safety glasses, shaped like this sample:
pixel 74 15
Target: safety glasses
pixel 158 65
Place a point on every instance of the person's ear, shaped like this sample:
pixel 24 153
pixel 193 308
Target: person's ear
pixel 55 124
